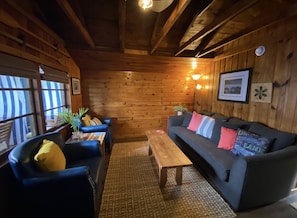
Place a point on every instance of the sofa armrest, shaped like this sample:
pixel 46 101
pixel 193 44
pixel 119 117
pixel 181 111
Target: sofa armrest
pixel 106 120
pixel 98 128
pixel 80 150
pixel 175 120
pixel 264 178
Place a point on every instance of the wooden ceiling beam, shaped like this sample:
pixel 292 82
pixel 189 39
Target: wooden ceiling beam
pixel 284 14
pixel 174 16
pixel 66 7
pixel 223 18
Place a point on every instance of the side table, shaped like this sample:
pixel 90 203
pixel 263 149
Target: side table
pixel 100 136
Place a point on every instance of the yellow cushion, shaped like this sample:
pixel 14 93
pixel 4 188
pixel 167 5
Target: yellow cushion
pixel 50 157
pixel 86 120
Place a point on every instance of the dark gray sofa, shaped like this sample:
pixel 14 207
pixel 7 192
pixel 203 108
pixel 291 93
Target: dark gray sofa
pixel 244 182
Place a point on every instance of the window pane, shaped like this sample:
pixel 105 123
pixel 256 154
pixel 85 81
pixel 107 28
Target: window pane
pixel 53 97
pixel 16 98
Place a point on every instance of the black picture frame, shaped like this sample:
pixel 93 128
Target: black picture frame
pixel 235 85
pixel 75 84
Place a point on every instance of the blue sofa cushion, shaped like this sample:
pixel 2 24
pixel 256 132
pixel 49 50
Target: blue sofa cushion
pixel 244 124
pixel 187 119
pixel 281 139
pixel 220 160
pixel 206 126
pixel 250 144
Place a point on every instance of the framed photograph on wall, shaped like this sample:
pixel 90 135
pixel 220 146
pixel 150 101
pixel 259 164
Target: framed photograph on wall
pixel 234 85
pixel 75 83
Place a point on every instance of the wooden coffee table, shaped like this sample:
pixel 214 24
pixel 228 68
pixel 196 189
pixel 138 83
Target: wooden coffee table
pixel 167 155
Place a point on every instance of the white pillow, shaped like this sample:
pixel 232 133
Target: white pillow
pixel 206 126
pixel 96 121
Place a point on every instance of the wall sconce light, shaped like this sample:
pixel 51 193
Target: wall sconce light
pixel 145 4
pixel 198 86
pixel 196 76
pixel 260 51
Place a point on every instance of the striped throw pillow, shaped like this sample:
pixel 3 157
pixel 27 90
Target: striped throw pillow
pixel 206 126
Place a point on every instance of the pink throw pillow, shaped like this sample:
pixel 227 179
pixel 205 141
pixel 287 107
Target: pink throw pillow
pixel 195 121
pixel 228 137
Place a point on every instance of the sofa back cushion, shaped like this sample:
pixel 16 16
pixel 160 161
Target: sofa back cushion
pixel 244 124
pixel 187 118
pixel 280 139
pixel 206 127
pixel 219 116
pixel 216 132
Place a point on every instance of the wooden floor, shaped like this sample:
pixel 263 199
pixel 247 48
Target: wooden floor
pixel 280 209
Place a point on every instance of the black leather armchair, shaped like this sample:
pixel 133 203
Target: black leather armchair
pixel 73 192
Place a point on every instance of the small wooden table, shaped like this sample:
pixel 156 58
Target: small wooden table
pixel 91 136
pixel 167 155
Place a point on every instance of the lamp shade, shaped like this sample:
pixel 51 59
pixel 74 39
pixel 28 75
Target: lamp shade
pixel 196 76
pixel 161 5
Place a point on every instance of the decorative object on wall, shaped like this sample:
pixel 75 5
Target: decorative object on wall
pixel 260 51
pixel 261 92
pixel 75 83
pixel 234 85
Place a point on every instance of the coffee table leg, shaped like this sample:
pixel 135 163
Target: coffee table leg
pixel 150 150
pixel 162 177
pixel 179 175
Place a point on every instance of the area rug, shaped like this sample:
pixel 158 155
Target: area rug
pixel 132 190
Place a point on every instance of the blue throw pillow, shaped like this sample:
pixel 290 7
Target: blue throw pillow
pixel 206 126
pixel 250 144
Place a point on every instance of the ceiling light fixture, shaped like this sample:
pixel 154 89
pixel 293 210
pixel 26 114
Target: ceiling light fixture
pixel 145 4
pixel 196 76
pixel 161 5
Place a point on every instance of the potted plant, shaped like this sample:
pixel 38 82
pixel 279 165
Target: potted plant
pixel 180 109
pixel 73 119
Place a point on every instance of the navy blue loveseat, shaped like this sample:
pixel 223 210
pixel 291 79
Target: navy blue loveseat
pixel 244 182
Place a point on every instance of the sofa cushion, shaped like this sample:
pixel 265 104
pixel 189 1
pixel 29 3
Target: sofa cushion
pixel 244 124
pixel 86 120
pixel 219 116
pixel 250 144
pixel 187 118
pixel 195 122
pixel 206 126
pixel 216 132
pixel 227 139
pixel 206 113
pixel 281 139
pixel 219 159
pixel 50 157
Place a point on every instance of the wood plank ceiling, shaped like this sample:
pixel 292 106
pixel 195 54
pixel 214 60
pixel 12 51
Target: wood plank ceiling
pixel 187 28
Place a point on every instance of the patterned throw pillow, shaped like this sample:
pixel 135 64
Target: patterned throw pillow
pixel 206 126
pixel 249 144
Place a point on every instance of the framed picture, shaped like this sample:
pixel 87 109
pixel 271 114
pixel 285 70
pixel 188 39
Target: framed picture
pixel 234 85
pixel 75 83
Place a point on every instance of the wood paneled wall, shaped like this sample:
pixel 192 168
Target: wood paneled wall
pixel 278 66
pixel 138 92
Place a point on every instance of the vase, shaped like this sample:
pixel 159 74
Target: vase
pixel 77 135
pixel 179 113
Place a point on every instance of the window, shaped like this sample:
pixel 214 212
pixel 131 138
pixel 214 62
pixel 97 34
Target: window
pixel 30 94
pixel 53 98
pixel 16 99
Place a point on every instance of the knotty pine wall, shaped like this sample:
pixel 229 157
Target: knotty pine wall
pixel 137 91
pixel 278 66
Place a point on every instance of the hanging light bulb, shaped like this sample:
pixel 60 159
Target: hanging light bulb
pixel 196 76
pixel 145 4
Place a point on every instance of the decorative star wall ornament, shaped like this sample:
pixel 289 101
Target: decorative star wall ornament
pixel 261 92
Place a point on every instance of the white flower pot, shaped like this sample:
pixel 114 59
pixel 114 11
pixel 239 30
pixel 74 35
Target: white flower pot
pixel 179 113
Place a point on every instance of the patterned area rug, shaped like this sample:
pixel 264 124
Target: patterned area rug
pixel 132 190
